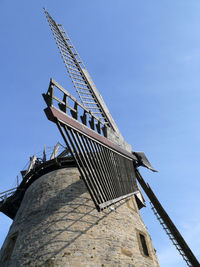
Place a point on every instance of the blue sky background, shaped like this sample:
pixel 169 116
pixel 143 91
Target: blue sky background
pixel 144 57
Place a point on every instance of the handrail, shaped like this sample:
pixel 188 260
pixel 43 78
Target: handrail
pixel 4 195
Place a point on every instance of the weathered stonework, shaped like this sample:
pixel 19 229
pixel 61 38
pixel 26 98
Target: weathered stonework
pixel 58 225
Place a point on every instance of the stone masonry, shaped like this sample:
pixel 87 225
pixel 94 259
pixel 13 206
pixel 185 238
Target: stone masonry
pixel 57 225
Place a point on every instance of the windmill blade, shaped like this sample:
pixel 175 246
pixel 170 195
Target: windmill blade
pixel 98 164
pixel 80 77
pixel 167 224
pixel 106 168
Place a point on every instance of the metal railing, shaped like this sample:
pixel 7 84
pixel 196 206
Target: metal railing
pixel 37 159
pixel 4 195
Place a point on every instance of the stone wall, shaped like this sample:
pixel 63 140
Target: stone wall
pixel 58 225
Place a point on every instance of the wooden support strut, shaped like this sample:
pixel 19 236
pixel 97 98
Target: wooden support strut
pixel 184 250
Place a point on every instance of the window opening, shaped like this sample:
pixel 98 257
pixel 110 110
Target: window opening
pixel 144 245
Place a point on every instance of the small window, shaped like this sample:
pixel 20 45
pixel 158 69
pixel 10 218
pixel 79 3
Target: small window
pixel 144 245
pixel 9 248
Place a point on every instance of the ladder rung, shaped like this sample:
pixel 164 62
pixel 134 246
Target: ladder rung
pixel 90 103
pixel 68 55
pixel 75 74
pixel 169 233
pixel 70 64
pixel 62 40
pixel 77 70
pixel 54 29
pixel 79 78
pixel 93 108
pixel 166 229
pixel 67 59
pixel 62 47
pixel 59 38
pixel 82 83
pixel 84 93
pixel 85 97
pixel 65 53
pixel 65 34
pixel 53 23
pixel 62 44
pixel 57 33
pixel 82 88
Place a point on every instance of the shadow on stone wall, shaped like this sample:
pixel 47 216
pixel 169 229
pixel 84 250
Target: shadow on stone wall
pixel 59 222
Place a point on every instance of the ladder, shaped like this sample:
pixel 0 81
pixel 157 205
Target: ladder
pixel 77 70
pixel 167 224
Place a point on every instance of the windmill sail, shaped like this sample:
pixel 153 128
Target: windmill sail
pixel 167 224
pixel 106 168
pixel 79 75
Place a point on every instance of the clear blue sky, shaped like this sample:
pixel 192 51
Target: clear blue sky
pixel 144 57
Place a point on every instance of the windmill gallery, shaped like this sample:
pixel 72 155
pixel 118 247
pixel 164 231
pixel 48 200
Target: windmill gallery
pixel 81 207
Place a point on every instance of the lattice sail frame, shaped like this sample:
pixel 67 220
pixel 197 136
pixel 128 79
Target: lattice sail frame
pixel 87 91
pixel 107 169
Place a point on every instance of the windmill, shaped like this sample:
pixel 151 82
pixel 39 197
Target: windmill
pixel 105 160
pixel 107 166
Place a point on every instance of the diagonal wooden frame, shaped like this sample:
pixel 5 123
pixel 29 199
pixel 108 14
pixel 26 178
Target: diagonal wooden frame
pixel 107 170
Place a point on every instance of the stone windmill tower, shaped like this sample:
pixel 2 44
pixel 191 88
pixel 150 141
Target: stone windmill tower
pixel 81 207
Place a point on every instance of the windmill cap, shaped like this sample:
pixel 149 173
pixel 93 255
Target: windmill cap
pixel 143 161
